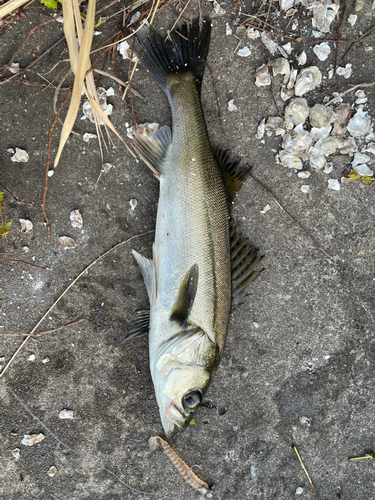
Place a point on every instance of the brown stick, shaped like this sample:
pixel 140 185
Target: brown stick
pixel 291 218
pixel 19 202
pixel 50 132
pixel 23 262
pixel 217 97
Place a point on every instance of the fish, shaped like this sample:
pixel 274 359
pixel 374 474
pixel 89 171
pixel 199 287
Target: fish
pixel 200 266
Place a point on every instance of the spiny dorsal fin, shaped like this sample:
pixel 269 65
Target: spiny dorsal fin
pixel 234 173
pixel 185 296
pixel 153 148
pixel 148 272
pixel 244 258
pixel 139 325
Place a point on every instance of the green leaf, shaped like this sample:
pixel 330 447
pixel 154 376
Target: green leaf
pixel 7 225
pixel 51 4
pixel 1 196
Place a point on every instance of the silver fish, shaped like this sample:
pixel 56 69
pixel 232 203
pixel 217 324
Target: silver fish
pixel 200 267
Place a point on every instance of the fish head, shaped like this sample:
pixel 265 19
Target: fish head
pixel 182 370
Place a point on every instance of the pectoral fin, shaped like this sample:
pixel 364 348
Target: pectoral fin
pixel 185 296
pixel 139 325
pixel 234 173
pixel 244 259
pixel 148 271
pixel 153 148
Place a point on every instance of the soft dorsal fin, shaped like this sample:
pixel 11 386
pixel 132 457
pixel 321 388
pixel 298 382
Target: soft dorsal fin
pixel 244 258
pixel 153 148
pixel 185 296
pixel 139 325
pixel 148 272
pixel 234 173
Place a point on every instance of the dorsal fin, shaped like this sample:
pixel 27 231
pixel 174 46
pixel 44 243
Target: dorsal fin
pixel 244 258
pixel 185 296
pixel 153 148
pixel 234 173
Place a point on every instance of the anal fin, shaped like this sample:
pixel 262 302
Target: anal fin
pixel 234 173
pixel 185 296
pixel 244 259
pixel 153 148
pixel 139 325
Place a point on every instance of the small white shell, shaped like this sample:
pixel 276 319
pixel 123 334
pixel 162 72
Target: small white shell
pixel 76 219
pixel 66 414
pixel 305 188
pixel 232 106
pixel 66 242
pixel 358 5
pixel 20 156
pixel 261 128
pixel 322 17
pixel 286 94
pixel 342 113
pixel 304 174
pixel 296 112
pixel 363 170
pixel 253 33
pixel 290 161
pixel 318 161
pixel 31 439
pixel 308 79
pixel 263 79
pixel 320 133
pixel 26 225
pixel 320 116
pixel 280 66
pixel 297 141
pixel 125 50
pixel 268 42
pixel 345 72
pixel 273 122
pixel 352 19
pixel 87 136
pixel 244 52
pixel 359 124
pixel 360 158
pixel 322 50
pixel 292 79
pixel 52 471
pixel 334 184
pixel 302 58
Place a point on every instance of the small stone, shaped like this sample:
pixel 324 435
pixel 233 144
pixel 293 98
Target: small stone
pixel 26 249
pixel 31 358
pixel 66 414
pixel 31 439
pixel 52 471
pixel 305 188
pixel 50 172
pixel 228 30
pixel 299 490
pixel 45 360
pixel 16 453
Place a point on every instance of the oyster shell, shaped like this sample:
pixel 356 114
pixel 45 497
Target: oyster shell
pixel 322 50
pixel 334 184
pixel 359 124
pixel 289 160
pixel 268 42
pixel 280 66
pixel 320 116
pixel 308 79
pixel 342 113
pixel 263 78
pixel 286 94
pixel 292 79
pixel 297 141
pixel 302 58
pixel 363 170
pixel 273 122
pixel 322 16
pixel 296 112
pixel 318 161
pixel 345 72
pixel 260 130
pixel 360 158
pixel 320 133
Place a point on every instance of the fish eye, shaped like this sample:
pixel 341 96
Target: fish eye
pixel 192 399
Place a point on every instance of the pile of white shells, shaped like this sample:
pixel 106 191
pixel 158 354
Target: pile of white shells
pixel 312 135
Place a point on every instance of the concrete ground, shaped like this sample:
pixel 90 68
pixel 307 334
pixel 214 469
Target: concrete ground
pixel 299 361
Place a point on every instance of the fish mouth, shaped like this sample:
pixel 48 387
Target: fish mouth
pixel 173 420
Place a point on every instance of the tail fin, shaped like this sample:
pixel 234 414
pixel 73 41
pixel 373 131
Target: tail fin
pixel 183 50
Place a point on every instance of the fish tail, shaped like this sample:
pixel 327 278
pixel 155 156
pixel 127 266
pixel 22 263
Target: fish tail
pixel 183 50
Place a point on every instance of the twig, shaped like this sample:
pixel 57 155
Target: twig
pixel 23 262
pixel 66 290
pixel 50 132
pixel 19 202
pixel 338 37
pixel 9 64
pixel 217 97
pixel 20 73
pixel 371 84
pixel 291 218
pixel 357 40
pixel 305 470
pixel 42 333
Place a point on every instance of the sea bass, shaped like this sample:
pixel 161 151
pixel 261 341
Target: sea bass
pixel 200 267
